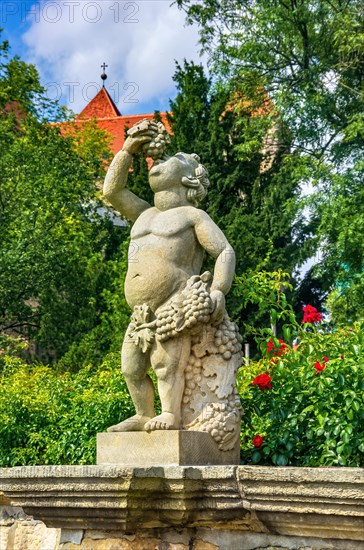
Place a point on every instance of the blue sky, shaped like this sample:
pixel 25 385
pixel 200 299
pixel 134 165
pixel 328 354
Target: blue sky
pixel 68 40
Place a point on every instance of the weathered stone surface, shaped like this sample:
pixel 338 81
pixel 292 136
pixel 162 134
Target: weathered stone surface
pixel 172 447
pixel 71 535
pixel 8 514
pixel 171 539
pixel 242 540
pixel 108 497
pixel 113 544
pixel 210 539
pixel 284 498
pixel 32 535
pixel 324 504
pixel 203 545
pixel 3 500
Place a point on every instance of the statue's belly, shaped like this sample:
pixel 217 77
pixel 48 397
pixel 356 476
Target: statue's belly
pixel 152 278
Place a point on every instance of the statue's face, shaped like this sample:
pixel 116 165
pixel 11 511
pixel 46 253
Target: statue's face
pixel 166 174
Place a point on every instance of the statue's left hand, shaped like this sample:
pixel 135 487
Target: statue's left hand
pixel 218 302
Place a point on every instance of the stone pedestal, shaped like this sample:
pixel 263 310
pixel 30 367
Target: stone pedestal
pixel 160 448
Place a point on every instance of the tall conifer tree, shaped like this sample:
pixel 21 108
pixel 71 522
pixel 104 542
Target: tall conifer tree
pixel 253 188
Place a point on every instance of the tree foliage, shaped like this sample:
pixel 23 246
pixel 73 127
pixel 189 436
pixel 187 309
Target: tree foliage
pixel 308 57
pixel 56 250
pixel 254 178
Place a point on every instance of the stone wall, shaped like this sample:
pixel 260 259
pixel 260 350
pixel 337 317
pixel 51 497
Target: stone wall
pixel 181 508
pixel 29 534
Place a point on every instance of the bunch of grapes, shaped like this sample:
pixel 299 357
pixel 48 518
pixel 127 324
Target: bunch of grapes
pixel 215 422
pixel 197 306
pixel 186 310
pixel 193 375
pixel 233 401
pixel 158 144
pixel 227 339
pixel 166 323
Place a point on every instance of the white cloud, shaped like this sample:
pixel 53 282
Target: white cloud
pixel 139 40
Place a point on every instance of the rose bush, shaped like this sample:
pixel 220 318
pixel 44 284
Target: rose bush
pixel 311 412
pixel 311 315
pixel 257 441
pixel 263 381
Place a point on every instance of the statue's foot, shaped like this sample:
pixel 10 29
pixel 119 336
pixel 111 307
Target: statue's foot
pixel 133 424
pixel 164 421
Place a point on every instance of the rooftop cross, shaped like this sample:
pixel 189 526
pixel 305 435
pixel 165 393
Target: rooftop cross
pixel 104 75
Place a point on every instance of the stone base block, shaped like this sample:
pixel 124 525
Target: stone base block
pixel 170 447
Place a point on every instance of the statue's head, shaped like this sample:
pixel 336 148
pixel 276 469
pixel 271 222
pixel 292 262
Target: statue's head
pixel 182 168
pixel 196 184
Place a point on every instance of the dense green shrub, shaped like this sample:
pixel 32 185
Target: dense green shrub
pixel 49 417
pixel 307 409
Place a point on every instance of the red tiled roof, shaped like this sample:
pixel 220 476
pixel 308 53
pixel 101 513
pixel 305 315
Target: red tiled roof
pixel 101 106
pixel 109 118
pixel 117 126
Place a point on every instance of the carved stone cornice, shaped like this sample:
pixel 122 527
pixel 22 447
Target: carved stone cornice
pixel 315 502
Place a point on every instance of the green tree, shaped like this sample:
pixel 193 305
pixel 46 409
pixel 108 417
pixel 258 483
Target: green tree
pixel 190 110
pixel 56 250
pixel 254 186
pixel 341 208
pixel 308 57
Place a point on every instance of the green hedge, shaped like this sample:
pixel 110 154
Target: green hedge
pixel 47 417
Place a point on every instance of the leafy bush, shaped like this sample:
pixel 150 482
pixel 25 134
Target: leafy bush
pixel 47 417
pixel 11 346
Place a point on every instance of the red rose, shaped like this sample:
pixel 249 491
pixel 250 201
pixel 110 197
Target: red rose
pixel 311 315
pixel 319 367
pixel 271 348
pixel 257 441
pixel 326 359
pixel 263 381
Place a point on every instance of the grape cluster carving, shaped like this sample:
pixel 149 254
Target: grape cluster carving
pixel 193 376
pixel 227 339
pixel 191 307
pixel 219 420
pixel 158 144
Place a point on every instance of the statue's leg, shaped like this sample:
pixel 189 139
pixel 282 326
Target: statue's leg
pixel 135 365
pixel 168 360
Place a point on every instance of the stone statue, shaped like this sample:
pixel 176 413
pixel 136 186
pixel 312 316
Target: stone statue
pixel 179 326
